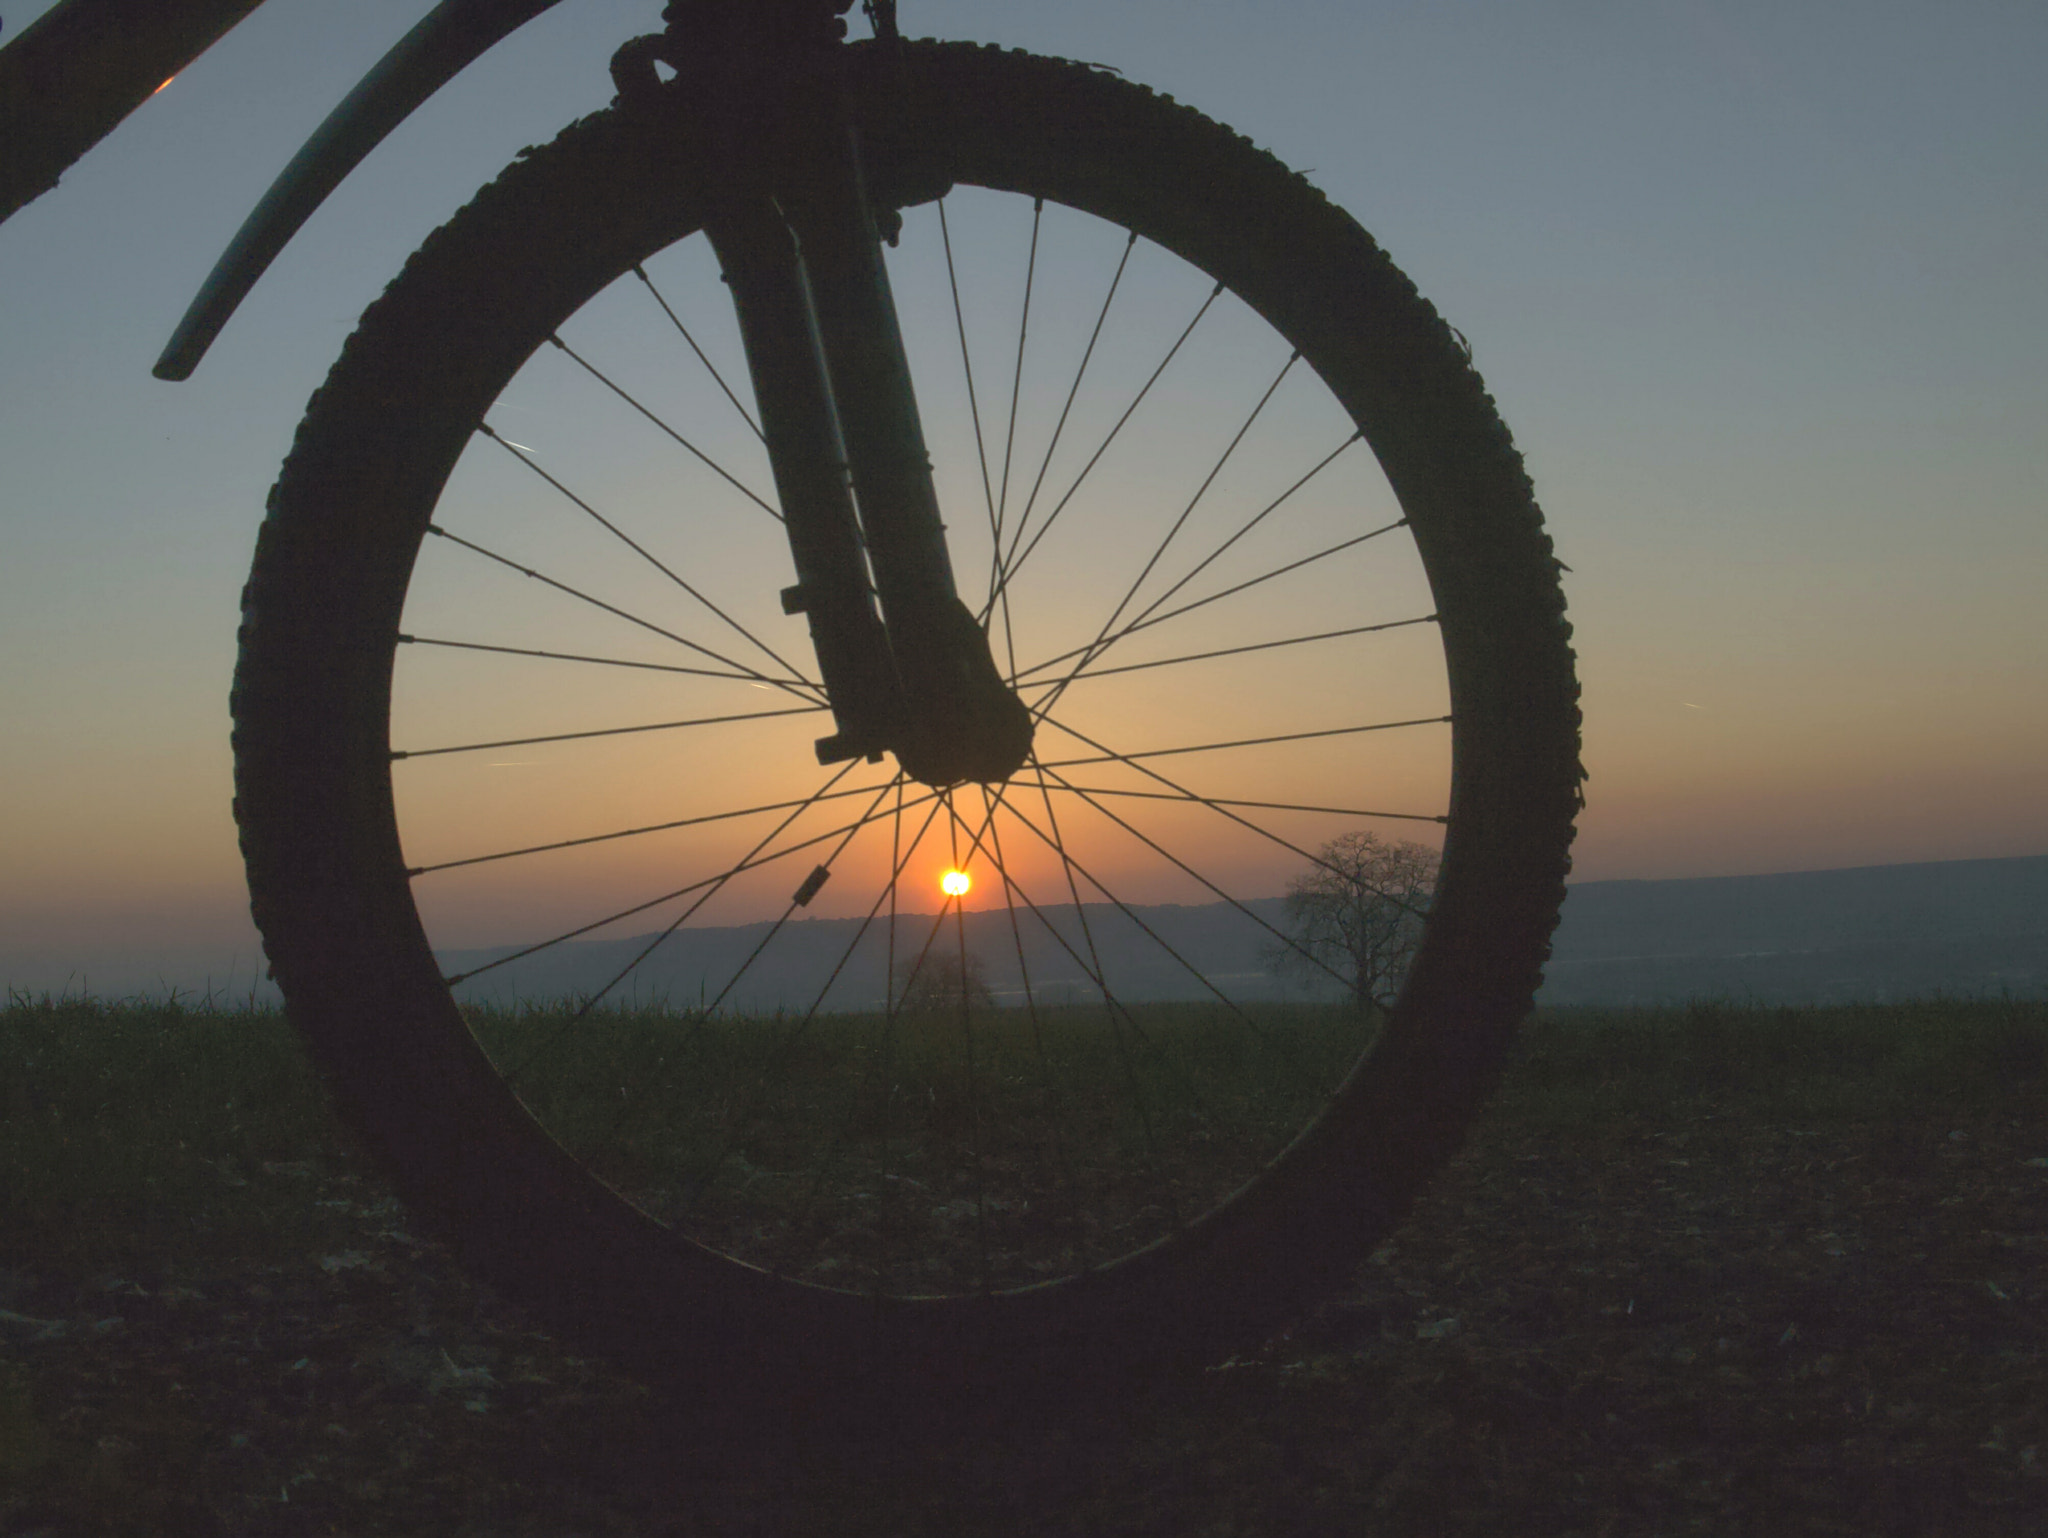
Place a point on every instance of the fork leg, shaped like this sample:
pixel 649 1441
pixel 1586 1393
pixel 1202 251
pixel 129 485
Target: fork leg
pixel 826 355
pixel 779 332
pixel 961 722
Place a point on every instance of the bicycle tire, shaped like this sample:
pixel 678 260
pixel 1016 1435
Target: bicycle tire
pixel 329 883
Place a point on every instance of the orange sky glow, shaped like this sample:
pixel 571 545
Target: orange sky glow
pixel 1794 472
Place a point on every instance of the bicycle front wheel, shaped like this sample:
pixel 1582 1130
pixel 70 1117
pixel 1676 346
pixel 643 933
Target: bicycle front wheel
pixel 675 1030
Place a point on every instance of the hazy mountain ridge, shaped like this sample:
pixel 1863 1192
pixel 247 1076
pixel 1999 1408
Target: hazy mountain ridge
pixel 835 959
pixel 1870 932
pixel 1832 936
pixel 1959 927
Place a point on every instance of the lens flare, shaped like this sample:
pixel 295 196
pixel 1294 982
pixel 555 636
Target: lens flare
pixel 955 883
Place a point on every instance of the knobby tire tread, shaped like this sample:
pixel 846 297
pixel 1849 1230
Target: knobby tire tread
pixel 313 804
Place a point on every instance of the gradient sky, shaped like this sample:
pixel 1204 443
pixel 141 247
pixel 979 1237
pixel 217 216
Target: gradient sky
pixel 1759 289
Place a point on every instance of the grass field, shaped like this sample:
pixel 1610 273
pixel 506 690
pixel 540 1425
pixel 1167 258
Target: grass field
pixel 931 1151
pixel 1710 1269
pixel 145 1130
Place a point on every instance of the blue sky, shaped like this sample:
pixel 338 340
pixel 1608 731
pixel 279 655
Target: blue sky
pixel 1758 288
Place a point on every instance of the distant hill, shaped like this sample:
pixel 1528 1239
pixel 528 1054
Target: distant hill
pixel 834 959
pixel 1807 937
pixel 1961 927
pixel 1837 936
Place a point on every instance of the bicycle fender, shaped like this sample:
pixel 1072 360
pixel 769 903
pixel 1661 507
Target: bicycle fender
pixel 445 41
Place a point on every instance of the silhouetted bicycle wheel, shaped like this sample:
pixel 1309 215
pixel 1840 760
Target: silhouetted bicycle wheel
pixel 672 1028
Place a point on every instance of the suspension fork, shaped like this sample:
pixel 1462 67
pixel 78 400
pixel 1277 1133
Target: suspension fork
pixel 802 255
pixel 807 453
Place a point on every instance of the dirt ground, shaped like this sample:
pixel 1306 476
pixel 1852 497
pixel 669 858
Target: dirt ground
pixel 1692 1321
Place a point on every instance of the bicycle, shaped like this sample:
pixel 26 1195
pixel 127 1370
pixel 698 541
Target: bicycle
pixel 858 1208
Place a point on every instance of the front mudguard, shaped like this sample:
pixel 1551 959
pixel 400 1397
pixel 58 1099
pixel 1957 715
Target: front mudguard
pixel 450 37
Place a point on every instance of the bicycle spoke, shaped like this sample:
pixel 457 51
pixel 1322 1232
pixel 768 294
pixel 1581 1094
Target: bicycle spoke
pixel 885 1069
pixel 1271 806
pixel 1219 807
pixel 1103 645
pixel 1048 1091
pixel 709 463
pixel 973 848
pixel 1109 756
pixel 604 731
pixel 658 827
pixel 609 662
pixel 799 685
pixel 1280 1049
pixel 1093 967
pixel 895 864
pixel 1159 553
pixel 749 862
pixel 1013 562
pixel 1180 864
pixel 1017 376
pixel 910 979
pixel 967 1047
pixel 1128 912
pixel 783 1048
pixel 1010 436
pixel 1060 426
pixel 707 1011
pixel 988 494
pixel 1118 1011
pixel 940 798
pixel 1253 522
pixel 967 369
pixel 1085 672
pixel 803 900
pixel 527 459
pixel 715 884
pixel 746 416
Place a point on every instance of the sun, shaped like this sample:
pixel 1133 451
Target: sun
pixel 955 883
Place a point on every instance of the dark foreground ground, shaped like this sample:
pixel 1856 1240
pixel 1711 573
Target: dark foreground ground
pixel 1706 1272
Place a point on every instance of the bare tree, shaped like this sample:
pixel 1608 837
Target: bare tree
pixel 936 986
pixel 1359 914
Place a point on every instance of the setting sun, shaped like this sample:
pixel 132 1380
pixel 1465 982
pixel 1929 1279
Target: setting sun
pixel 955 883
